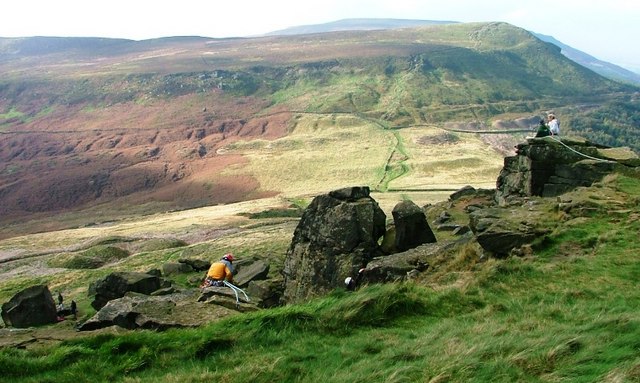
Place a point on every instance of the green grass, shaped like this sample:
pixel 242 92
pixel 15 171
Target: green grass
pixel 275 213
pixel 11 115
pixel 91 258
pixel 568 313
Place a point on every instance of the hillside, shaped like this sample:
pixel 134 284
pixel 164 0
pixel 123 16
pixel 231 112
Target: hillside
pixel 603 68
pixel 565 308
pixel 121 128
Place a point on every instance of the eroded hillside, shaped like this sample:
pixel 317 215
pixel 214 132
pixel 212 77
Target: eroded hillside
pixel 138 127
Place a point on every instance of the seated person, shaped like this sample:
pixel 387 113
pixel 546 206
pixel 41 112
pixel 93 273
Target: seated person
pixel 543 130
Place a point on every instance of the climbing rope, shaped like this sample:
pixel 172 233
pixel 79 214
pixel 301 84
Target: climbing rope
pixel 236 290
pixel 577 152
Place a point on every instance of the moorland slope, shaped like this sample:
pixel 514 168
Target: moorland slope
pixel 121 128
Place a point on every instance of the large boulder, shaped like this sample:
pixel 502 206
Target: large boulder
pixel 337 234
pixel 411 227
pixel 115 285
pixel 501 230
pixel 553 166
pixel 33 306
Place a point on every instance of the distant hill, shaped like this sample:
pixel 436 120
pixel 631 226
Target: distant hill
pixel 603 68
pixel 356 24
pixel 35 46
pixel 135 127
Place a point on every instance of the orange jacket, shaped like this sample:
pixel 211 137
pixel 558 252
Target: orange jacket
pixel 220 271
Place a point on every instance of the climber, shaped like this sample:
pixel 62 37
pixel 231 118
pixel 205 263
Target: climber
pixel 543 130
pixel 553 124
pixel 219 272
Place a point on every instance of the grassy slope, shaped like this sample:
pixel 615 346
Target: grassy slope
pixel 568 312
pixel 351 86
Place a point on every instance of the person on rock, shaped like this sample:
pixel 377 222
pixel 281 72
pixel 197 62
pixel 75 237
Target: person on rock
pixel 219 272
pixel 553 124
pixel 543 130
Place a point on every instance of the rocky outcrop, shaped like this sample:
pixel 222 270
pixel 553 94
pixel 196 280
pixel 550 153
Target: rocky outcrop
pixel 33 306
pixel 411 227
pixel 190 308
pixel 501 230
pixel 410 264
pixel 126 299
pixel 115 285
pixel 549 167
pixel 337 235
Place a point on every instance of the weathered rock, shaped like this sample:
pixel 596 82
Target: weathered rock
pixel 136 311
pixel 266 293
pixel 473 207
pixel 550 167
pixel 350 194
pixel 115 285
pixel 567 177
pixel 464 191
pixel 461 230
pixel 500 230
pixel 397 267
pixel 196 264
pixel 227 297
pixel 411 225
pixel 442 218
pixel 624 156
pixel 156 272
pixel 33 306
pixel 165 291
pixel 255 271
pixel 337 235
pixel 447 227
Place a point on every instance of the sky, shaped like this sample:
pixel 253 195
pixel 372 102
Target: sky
pixel 605 29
